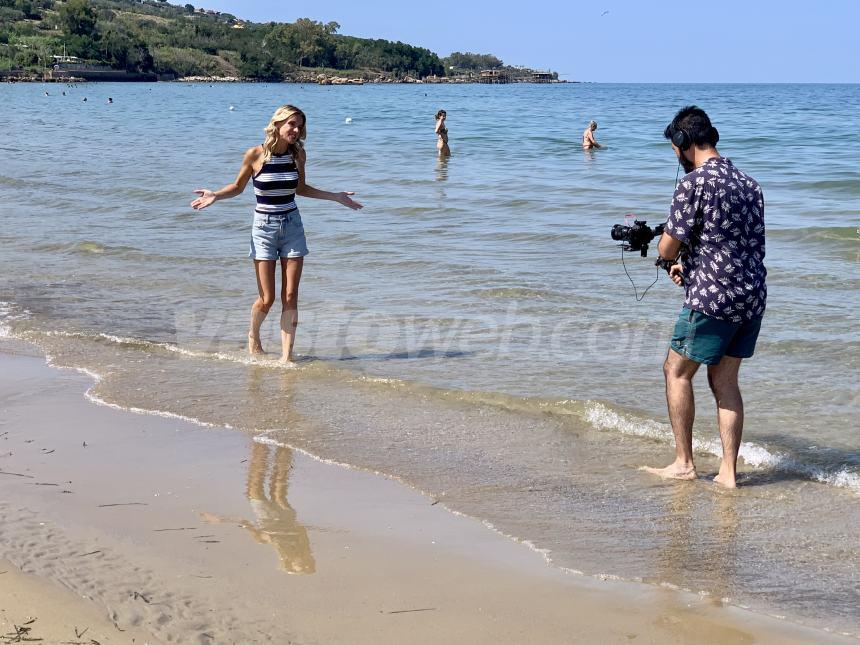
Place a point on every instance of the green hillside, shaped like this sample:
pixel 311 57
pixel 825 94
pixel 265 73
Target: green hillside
pixel 155 36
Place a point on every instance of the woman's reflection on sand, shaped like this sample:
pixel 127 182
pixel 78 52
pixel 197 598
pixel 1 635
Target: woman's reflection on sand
pixel 276 523
pixel 276 520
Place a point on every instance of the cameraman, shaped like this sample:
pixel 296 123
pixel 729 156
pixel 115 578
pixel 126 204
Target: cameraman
pixel 715 237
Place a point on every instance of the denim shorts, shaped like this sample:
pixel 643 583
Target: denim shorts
pixel 276 236
pixel 706 340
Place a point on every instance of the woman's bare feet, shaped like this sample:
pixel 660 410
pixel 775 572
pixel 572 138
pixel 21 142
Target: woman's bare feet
pixel 255 347
pixel 674 470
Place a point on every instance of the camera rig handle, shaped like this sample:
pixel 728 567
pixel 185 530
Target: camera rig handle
pixel 667 265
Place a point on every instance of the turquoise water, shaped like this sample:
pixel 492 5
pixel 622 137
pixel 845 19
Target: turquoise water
pixel 472 330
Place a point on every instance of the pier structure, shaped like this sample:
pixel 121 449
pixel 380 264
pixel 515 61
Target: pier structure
pixel 542 77
pixel 494 76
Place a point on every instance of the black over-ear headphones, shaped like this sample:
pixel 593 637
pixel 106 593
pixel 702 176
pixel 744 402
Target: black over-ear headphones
pixel 681 138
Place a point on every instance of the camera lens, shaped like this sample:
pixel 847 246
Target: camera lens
pixel 619 232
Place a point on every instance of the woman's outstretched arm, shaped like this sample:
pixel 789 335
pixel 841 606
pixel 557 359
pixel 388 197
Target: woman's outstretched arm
pixel 306 190
pixel 208 197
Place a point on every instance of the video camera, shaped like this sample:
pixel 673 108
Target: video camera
pixel 636 237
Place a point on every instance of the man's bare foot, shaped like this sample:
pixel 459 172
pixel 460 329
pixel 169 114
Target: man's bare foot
pixel 726 481
pixel 255 347
pixel 288 359
pixel 673 471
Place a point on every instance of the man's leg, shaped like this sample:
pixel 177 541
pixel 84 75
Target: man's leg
pixel 723 379
pixel 679 372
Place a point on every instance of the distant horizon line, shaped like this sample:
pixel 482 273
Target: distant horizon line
pixel 570 82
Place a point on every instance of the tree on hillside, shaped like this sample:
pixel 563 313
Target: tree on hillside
pixel 81 46
pixel 78 18
pixel 472 61
pixel 27 8
pixel 123 50
pixel 310 40
pixel 260 64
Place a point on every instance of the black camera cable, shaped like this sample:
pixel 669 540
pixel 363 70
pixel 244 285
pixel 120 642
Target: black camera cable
pixel 635 290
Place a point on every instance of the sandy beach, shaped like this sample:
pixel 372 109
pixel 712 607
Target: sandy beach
pixel 140 528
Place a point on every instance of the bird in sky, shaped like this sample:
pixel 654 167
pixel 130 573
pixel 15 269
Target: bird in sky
pixel 604 13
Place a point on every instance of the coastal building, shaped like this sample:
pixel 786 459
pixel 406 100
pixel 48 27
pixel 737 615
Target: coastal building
pixel 493 76
pixel 69 68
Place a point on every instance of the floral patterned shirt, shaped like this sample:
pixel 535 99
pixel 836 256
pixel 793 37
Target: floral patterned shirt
pixel 717 212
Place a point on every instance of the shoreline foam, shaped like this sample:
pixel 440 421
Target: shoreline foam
pixel 388 551
pixel 597 414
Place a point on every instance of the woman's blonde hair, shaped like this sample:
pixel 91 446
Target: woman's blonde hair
pixel 272 139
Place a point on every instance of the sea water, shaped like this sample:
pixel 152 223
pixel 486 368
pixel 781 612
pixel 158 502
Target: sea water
pixel 473 330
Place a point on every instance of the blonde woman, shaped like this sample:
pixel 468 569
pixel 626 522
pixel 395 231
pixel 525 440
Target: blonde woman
pixel 442 134
pixel 277 168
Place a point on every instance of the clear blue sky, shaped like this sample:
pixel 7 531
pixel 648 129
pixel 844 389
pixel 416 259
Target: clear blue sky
pixel 636 41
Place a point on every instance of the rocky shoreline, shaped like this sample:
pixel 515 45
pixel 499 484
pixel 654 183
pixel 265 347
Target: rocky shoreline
pixel 305 78
pixel 327 79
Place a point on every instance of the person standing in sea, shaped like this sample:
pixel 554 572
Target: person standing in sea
pixel 588 140
pixel 716 226
pixel 277 168
pixel 442 134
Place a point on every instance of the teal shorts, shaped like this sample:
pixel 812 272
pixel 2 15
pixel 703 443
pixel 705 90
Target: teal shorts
pixel 706 340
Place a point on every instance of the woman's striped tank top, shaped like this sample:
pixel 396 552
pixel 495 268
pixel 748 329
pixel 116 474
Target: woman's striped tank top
pixel 275 185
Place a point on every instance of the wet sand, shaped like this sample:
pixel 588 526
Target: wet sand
pixel 176 532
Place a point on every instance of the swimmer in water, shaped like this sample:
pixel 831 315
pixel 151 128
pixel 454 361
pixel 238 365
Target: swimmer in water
pixel 588 141
pixel 442 134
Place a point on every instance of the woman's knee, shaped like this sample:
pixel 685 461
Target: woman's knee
pixel 265 303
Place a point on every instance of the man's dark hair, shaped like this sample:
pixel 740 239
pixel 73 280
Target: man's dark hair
pixel 696 124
